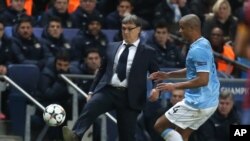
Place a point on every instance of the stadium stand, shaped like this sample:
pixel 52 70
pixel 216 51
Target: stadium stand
pixel 70 33
pixel 29 73
pixel 26 76
pixel 10 138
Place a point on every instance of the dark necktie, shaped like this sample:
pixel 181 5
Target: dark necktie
pixel 122 63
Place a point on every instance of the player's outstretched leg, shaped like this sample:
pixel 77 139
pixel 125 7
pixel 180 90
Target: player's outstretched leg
pixel 163 126
pixel 69 135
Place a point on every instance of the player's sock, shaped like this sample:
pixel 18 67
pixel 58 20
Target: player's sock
pixel 171 135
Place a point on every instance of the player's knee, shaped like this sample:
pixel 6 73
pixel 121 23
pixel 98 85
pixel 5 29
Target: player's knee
pixel 185 136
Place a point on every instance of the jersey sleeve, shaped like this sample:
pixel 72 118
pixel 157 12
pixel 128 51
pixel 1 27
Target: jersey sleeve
pixel 201 59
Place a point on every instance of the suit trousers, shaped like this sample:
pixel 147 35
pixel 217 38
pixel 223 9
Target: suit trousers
pixel 109 98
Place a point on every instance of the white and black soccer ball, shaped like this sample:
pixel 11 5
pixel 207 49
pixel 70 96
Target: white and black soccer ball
pixel 54 115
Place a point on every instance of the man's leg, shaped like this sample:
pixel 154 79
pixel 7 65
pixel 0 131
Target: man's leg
pixel 185 133
pixel 167 130
pixel 126 121
pixel 97 105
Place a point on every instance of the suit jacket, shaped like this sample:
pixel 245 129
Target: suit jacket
pixel 144 62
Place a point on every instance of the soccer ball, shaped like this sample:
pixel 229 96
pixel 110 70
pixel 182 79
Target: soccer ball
pixel 54 115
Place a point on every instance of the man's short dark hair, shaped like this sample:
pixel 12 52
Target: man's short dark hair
pixel 55 19
pixel 54 1
pixel 24 19
pixel 129 1
pixel 91 50
pixel 161 24
pixel 63 55
pixel 94 18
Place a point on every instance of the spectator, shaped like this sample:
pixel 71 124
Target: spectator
pixel 176 96
pixel 124 7
pixel 200 7
pixel 225 49
pixel 92 37
pixel 54 39
pixel 182 4
pixel 221 17
pixel 53 89
pixel 106 6
pixel 28 6
pixel 13 13
pixel 168 54
pixel 242 40
pixel 217 127
pixel 2 5
pixel 60 10
pixel 5 60
pixel 86 9
pixel 145 10
pixel 89 65
pixel 5 52
pixel 170 11
pixel 39 6
pixel 26 47
pixel 73 4
pixel 243 49
pixel 236 5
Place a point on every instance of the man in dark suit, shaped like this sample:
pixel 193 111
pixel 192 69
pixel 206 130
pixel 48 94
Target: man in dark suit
pixel 115 88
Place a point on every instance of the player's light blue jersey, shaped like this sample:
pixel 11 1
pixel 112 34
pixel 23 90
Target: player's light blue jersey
pixel 200 59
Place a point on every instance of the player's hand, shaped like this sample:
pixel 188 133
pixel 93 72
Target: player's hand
pixel 154 95
pixel 165 87
pixel 158 76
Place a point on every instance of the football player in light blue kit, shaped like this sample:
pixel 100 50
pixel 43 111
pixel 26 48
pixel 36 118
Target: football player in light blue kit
pixel 202 86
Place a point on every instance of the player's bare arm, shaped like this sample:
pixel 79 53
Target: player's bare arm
pixel 159 76
pixel 178 74
pixel 201 80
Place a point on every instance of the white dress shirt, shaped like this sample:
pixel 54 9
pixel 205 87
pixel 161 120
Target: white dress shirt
pixel 115 81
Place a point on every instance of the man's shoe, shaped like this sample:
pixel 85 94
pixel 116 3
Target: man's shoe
pixel 69 135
